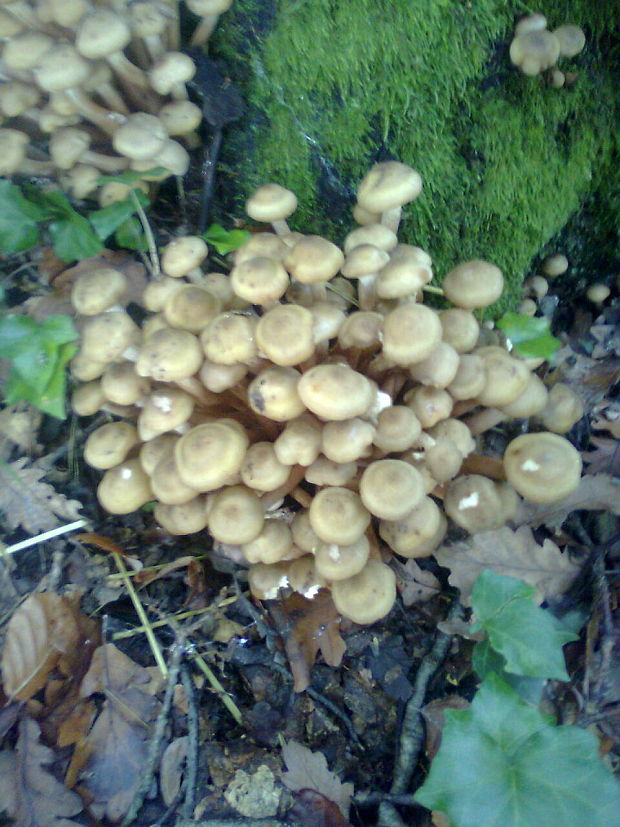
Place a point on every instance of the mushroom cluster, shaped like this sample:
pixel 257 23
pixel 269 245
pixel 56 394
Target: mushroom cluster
pixel 535 50
pixel 89 88
pixel 311 377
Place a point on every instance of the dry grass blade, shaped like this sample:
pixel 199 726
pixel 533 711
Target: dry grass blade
pixel 42 629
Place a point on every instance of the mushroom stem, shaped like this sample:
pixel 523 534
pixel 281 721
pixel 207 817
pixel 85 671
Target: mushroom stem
pixel 484 420
pixel 204 30
pixel 280 227
pixel 391 218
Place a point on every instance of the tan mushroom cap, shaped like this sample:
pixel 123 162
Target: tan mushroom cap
pixel 397 429
pixel 335 392
pixel 259 280
pixel 274 394
pixel 470 377
pixel 86 369
pixel 166 482
pixel 271 202
pixel 208 455
pixel 191 308
pixel 334 562
pixel 555 265
pixel 236 515
pixel 106 336
pixel 474 503
pixel 229 338
pixel 304 536
pixel 543 467
pixel 531 23
pixel 411 535
pixel 121 384
pixel 218 378
pixel 155 449
pixel 438 369
pixel 325 471
pixel 265 580
pixel 473 284
pixel 364 259
pixel 273 544
pixel 303 576
pixel 164 410
pixel 443 459
pixel 262 470
pixel 300 441
pixel 571 39
pixel 261 245
pixel 530 402
pixel 460 328
pixel 156 293
pixel 88 399
pixel 406 272
pixel 367 596
pixel 186 518
pixel 376 234
pixel 430 405
pixel 390 488
pixel 108 445
pixel 97 290
pixel 314 259
pixel 347 439
pixel 360 329
pixel 285 334
pixel 456 431
pixel 124 488
pixel 387 185
pixel 183 254
pixel 338 516
pixel 505 376
pixel 562 410
pixel 534 51
pixel 141 136
pixel 169 354
pixel 411 332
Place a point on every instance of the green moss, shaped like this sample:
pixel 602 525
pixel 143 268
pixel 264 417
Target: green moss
pixel 335 85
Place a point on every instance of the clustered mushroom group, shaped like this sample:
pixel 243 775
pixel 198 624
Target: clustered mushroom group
pixel 535 50
pixel 89 88
pixel 313 377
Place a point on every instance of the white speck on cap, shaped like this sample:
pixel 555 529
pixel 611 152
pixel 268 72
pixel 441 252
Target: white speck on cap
pixel 530 465
pixel 471 501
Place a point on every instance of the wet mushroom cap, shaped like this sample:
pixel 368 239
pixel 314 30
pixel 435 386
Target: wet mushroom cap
pixel 97 290
pixel 210 454
pixel 124 488
pixel 367 596
pixel 335 392
pixel 543 467
pixel 473 284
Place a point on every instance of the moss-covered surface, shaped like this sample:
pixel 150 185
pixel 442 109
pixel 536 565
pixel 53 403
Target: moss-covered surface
pixel 335 85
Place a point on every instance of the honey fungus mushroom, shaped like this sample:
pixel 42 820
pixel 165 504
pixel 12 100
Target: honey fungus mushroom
pixel 367 596
pixel 543 467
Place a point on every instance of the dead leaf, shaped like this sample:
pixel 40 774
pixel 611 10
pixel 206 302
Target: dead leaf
pixel 21 427
pixel 39 632
pixel 417 585
pixel 307 770
pixel 434 717
pixel 513 553
pixel 307 627
pixel 31 795
pixel 28 502
pixel 171 769
pixel 605 458
pixel 311 809
pixel 598 492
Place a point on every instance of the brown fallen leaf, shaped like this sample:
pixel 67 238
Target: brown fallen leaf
pixel 29 793
pixel 171 769
pixel 416 584
pixel 605 458
pixel 29 502
pixel 513 553
pixel 434 718
pixel 311 809
pixel 598 492
pixel 40 631
pixel 307 770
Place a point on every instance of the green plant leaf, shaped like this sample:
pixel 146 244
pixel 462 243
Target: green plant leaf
pixel 18 220
pixel 485 659
pixel 529 638
pixel 15 332
pixel 73 238
pixel 130 235
pixel 52 400
pixel 501 763
pixel 530 336
pixel 225 241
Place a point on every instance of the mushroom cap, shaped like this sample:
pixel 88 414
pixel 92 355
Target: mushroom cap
pixel 397 429
pixel 530 402
pixel 191 308
pixel 121 384
pixel 300 441
pixel 101 32
pixel 185 518
pixel 505 376
pixel 376 234
pixel 259 280
pixel 62 67
pixel 24 51
pixel 335 392
pixel 406 272
pixel 218 378
pixel 430 405
pixel 543 467
pixel 390 488
pixel 562 410
pixel 183 254
pixel 304 536
pixel 470 377
pixel 273 544
pixel 531 23
pixel 327 319
pixel 387 185
pixel 97 290
pixel 180 117
pixel 236 515
pixel 337 515
pixel 108 445
pixel 208 455
pixel 314 259
pixel 474 503
pixel 274 393
pixel 229 338
pixel 284 334
pixel 409 535
pixel 169 354
pixel 347 439
pixel 360 329
pixel 411 332
pixel 534 51
pixel 106 335
pixel 261 245
pixel 164 410
pixel 67 145
pixel 460 328
pixel 87 399
pixel 169 70
pixel 166 482
pixel 367 596
pixel 271 202
pixel 325 471
pixel 571 39
pixel 13 149
pixel 141 136
pixel 473 284
pixel 555 265
pixel 124 488
pixel 266 579
pixel 456 431
pixel 262 470
pixel 334 562
pixel 155 449
pixel 438 369
pixel 363 260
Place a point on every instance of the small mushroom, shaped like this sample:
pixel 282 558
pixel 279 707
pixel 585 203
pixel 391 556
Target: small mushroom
pixel 272 204
pixel 124 488
pixel 109 445
pixel 236 515
pixel 337 515
pixel 473 284
pixel 367 596
pixel 543 467
pixel 386 187
pixel 390 488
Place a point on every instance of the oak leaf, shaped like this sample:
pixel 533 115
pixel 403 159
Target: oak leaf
pixel 597 492
pixel 307 770
pixel 418 585
pixel 29 502
pixel 513 553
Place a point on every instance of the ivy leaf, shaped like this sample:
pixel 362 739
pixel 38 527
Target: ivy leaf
pixel 108 219
pixel 501 762
pixel 225 241
pixel 530 336
pixel 73 238
pixel 485 660
pixel 18 220
pixel 130 235
pixel 529 638
pixel 52 400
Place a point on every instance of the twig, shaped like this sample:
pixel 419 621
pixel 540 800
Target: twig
pixel 148 771
pixel 156 624
pixel 412 728
pixel 191 764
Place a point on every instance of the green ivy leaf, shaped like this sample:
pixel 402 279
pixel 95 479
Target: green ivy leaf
pixel 530 336
pixel 110 218
pixel 18 220
pixel 485 659
pixel 501 762
pixel 130 235
pixel 73 238
pixel 15 332
pixel 225 241
pixel 52 400
pixel 529 638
